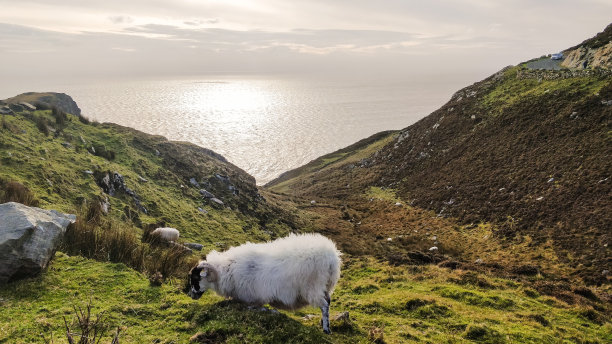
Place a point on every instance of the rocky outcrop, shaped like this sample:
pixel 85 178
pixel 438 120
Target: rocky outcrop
pixel 61 101
pixel 28 239
pixel 595 52
pixel 111 183
pixel 583 57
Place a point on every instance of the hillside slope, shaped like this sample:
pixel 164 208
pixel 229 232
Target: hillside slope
pixel 525 150
pixel 63 160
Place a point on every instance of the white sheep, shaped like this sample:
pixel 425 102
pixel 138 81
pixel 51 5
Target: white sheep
pixel 167 234
pixel 288 273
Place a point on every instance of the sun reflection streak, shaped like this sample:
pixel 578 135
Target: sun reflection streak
pixel 231 101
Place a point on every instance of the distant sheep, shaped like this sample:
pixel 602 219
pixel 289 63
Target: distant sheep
pixel 166 234
pixel 288 273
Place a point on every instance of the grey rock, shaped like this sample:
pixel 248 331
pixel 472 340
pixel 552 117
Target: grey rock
pixel 157 153
pixel 140 178
pixel 206 194
pixel 66 144
pixel 223 179
pixel 232 189
pixel 5 110
pixel 28 106
pixel 111 184
pixel 90 172
pixel 194 182
pixel 203 211
pixel 28 239
pixel 344 316
pixel 194 246
pixel 217 201
pixel 105 205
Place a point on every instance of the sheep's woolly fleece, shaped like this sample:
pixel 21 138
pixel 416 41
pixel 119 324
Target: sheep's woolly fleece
pixel 290 272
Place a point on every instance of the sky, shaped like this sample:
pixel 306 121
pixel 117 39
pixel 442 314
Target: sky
pixel 384 38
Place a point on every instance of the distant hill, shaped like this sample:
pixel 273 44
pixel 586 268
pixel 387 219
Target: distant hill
pixel 526 150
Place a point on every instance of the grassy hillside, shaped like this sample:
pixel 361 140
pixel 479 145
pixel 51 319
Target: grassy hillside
pixel 525 152
pixel 385 304
pixel 59 163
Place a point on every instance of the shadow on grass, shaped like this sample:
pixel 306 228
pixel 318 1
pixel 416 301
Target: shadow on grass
pixel 233 321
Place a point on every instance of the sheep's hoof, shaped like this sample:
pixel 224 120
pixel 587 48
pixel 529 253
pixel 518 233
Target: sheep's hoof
pixel 328 331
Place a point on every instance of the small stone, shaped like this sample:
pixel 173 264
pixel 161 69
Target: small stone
pixel 66 144
pixel 539 198
pixel 194 246
pixel 313 202
pixel 90 172
pixel 140 178
pixel 605 272
pixel 194 182
pixel 389 239
pixel 157 153
pixel 478 261
pixel 309 317
pixel 433 248
pixel 551 180
pixel 473 117
pixel 203 211
pixel 344 316
pixel 217 201
pixel 398 204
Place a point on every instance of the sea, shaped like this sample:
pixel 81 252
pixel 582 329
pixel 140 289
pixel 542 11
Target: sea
pixel 264 125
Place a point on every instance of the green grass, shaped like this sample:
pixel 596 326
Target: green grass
pixel 423 304
pixel 513 89
pixel 415 304
pixel 149 314
pixel 385 194
pixel 349 155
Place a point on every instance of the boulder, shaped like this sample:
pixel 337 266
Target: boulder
pixel 28 239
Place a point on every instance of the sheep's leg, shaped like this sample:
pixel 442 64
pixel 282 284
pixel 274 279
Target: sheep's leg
pixel 325 313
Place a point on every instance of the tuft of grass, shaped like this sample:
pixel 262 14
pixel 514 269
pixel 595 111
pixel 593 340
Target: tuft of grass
pixel 113 241
pixel 42 124
pixel 483 334
pixel 16 192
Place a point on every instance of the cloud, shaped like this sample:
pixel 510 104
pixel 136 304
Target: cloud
pixel 200 22
pixel 119 19
pixel 127 50
pixel 186 36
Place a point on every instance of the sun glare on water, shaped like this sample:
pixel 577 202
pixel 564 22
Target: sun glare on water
pixel 233 101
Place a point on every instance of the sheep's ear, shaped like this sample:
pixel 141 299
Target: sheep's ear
pixel 209 273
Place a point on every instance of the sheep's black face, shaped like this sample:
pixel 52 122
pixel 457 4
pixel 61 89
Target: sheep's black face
pixel 195 291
